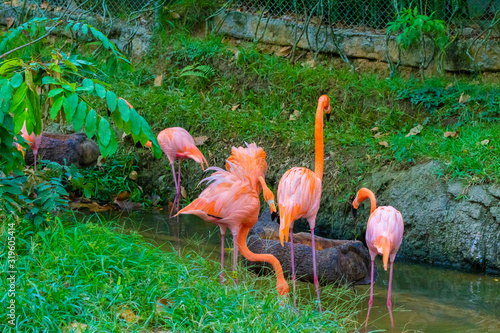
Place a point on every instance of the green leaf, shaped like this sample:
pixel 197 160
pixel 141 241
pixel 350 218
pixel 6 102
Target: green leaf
pixel 70 104
pixel 16 80
pixel 85 29
pixel 135 119
pixel 19 95
pixel 124 110
pixel 117 117
pixel 49 80
pixel 110 148
pixel 33 29
pixel 100 91
pixel 76 26
pixel 104 132
pixel 88 85
pixel 6 93
pixel 94 32
pixel 68 26
pixel 54 110
pixel 55 92
pixel 79 117
pixel 90 123
pixel 111 100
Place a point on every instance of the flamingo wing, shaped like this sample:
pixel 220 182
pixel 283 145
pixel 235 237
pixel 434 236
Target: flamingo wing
pixel 228 200
pixel 299 194
pixel 384 232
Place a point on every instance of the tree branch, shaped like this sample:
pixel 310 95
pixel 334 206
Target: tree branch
pixel 32 42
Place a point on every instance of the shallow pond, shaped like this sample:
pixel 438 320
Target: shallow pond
pixel 424 298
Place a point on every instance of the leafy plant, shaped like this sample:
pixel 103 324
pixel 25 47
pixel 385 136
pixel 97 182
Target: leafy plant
pixel 32 197
pixel 203 71
pixel 414 29
pixel 60 86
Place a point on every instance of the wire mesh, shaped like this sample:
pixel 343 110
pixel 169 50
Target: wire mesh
pixel 113 8
pixel 375 14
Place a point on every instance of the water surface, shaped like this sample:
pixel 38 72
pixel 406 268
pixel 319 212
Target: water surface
pixel 424 298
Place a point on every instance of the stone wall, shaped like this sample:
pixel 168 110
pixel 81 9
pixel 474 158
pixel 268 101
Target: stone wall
pixel 356 44
pixel 130 39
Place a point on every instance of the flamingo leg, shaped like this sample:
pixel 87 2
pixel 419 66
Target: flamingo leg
pixel 389 304
pixel 294 278
pixel 178 194
pixel 34 154
pixel 235 258
pixel 176 187
pixel 370 302
pixel 222 232
pixel 316 283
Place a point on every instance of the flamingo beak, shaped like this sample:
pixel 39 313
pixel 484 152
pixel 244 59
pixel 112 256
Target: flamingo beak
pixel 273 216
pixel 354 212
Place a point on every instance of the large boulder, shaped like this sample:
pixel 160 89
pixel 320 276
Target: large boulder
pixel 338 261
pixel 66 149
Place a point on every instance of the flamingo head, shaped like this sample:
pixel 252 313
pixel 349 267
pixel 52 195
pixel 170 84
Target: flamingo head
pixel 282 287
pixel 324 102
pixel 269 197
pixel 355 206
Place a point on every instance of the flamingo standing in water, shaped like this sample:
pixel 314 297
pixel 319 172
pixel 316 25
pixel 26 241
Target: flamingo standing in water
pixel 33 140
pixel 251 160
pixel 177 144
pixel 231 201
pixel 384 234
pixel 299 192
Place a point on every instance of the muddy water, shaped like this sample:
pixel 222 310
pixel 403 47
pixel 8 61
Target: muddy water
pixel 424 298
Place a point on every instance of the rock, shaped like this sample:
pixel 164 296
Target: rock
pixel 66 150
pixel 338 261
pixel 479 195
pixel 456 188
pixel 495 212
pixel 494 189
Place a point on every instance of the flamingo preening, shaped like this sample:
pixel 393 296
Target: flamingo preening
pixel 252 160
pixel 299 193
pixel 231 202
pixel 384 234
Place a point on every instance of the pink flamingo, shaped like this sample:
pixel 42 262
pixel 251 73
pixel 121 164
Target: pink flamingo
pixel 384 234
pixel 251 160
pixel 33 140
pixel 299 193
pixel 231 202
pixel 177 144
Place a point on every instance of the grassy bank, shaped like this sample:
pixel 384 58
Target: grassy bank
pixel 110 281
pixel 248 95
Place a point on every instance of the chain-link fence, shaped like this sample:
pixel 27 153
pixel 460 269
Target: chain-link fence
pixel 127 10
pixel 475 14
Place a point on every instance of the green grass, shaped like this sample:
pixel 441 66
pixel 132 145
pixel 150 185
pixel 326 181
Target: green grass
pixel 268 89
pixel 90 273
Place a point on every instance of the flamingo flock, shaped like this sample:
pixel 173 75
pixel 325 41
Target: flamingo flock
pixel 231 200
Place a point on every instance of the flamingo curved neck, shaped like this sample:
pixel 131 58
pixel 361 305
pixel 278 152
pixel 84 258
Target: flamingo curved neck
pixel 282 285
pixel 364 194
pixel 318 138
pixel 263 184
